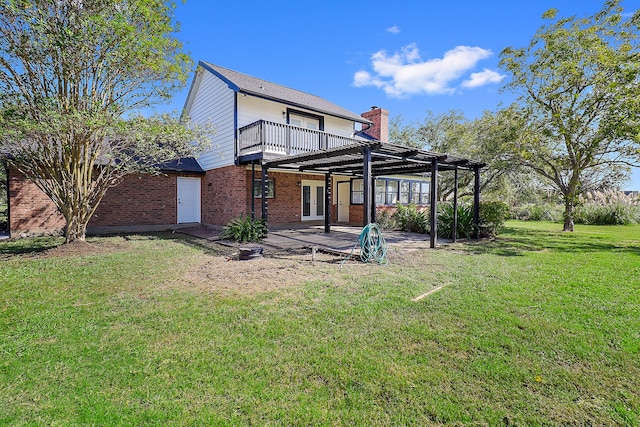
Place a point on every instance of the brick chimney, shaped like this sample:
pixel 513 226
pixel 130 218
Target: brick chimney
pixel 380 127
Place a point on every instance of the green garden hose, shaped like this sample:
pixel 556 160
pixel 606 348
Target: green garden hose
pixel 373 247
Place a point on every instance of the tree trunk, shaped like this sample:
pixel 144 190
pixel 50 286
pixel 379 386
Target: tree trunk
pixel 568 214
pixel 76 229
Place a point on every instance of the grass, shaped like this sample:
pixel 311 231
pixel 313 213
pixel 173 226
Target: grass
pixel 537 327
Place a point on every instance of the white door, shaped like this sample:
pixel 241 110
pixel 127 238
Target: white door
pixel 343 201
pixel 312 200
pixel 188 200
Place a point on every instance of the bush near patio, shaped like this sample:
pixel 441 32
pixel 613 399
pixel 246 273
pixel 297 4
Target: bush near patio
pixel 244 229
pixel 4 220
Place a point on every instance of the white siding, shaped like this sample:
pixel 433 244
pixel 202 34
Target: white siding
pixel 213 104
pixel 251 109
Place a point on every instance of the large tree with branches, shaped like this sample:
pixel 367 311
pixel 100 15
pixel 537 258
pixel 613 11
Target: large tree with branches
pixel 73 76
pixel 579 91
pixel 484 139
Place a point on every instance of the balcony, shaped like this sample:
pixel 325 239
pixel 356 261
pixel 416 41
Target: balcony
pixel 270 140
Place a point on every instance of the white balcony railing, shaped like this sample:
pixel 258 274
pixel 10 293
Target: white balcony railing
pixel 277 139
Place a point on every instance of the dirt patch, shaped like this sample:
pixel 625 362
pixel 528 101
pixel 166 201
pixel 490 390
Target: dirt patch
pixel 276 270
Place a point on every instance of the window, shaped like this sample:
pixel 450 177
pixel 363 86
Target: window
pixel 392 191
pixel 357 191
pixel 415 193
pixel 257 188
pixel 424 193
pixel 380 191
pixel 404 192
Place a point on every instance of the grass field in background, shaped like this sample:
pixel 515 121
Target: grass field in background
pixel 538 327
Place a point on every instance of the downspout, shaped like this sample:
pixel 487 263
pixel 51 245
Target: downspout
pixel 362 130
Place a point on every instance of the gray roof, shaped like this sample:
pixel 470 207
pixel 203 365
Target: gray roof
pixel 254 86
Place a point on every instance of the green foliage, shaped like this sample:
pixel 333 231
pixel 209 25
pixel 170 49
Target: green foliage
pixel 578 87
pixel 537 212
pixel 4 220
pixel 385 219
pixel 244 229
pixel 445 220
pixel 73 109
pixel 409 218
pixel 483 139
pixel 493 214
pixel 611 214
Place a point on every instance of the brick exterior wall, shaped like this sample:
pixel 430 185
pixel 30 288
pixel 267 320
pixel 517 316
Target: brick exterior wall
pixel 30 210
pixel 136 201
pixel 152 200
pixel 225 194
pixel 380 127
pixel 139 200
pixel 286 206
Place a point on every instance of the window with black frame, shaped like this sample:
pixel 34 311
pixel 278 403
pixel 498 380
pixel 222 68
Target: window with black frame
pixel 257 188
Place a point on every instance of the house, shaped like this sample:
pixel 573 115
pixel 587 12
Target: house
pixel 277 153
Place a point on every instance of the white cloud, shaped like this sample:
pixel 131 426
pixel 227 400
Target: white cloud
pixel 405 73
pixel 482 78
pixel 393 30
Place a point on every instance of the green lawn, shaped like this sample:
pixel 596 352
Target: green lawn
pixel 536 328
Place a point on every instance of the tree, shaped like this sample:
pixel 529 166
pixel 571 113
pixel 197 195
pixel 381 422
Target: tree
pixel 483 139
pixel 579 91
pixel 73 76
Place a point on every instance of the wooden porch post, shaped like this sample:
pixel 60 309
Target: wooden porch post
pixel 327 203
pixel 433 233
pixel 366 178
pixel 476 202
pixel 455 204
pixel 373 199
pixel 265 189
pixel 253 199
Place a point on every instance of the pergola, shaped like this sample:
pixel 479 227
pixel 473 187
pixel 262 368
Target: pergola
pixel 372 159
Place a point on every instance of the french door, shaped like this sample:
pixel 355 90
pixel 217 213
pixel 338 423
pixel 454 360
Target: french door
pixel 312 200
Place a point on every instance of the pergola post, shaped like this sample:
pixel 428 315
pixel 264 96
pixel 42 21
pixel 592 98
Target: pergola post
pixel 476 202
pixel 366 178
pixel 265 190
pixel 253 198
pixel 455 204
pixel 433 233
pixel 327 203
pixel 373 199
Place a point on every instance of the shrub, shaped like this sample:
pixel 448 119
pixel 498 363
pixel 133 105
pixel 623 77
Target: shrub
pixel 385 219
pixel 409 218
pixel 244 229
pixel 610 214
pixel 4 221
pixel 445 221
pixel 538 212
pixel 492 217
pixel 608 208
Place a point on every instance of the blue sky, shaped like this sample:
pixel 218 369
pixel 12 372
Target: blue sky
pixel 408 57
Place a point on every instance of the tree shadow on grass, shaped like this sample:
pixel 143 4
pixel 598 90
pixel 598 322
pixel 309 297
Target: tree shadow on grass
pixel 209 247
pixel 518 241
pixel 31 246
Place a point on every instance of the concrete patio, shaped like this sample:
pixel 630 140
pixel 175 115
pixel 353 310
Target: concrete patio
pixel 341 239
